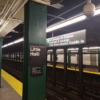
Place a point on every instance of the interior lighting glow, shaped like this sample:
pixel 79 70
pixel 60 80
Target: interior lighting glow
pixel 94 47
pixel 10 43
pixel 85 48
pixel 50 50
pixel 71 49
pixel 19 40
pixel 66 23
pixel 77 48
pixel 60 49
pixel 74 51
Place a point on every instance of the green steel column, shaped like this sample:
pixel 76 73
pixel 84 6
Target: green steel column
pixel 99 59
pixel 50 57
pixel 0 58
pixel 34 88
pixel 69 58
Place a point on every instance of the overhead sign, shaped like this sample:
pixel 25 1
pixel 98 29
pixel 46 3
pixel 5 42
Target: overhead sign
pixel 78 37
pixel 37 58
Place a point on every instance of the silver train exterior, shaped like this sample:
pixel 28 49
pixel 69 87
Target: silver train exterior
pixel 88 59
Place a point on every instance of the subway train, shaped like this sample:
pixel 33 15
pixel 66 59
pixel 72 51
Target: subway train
pixel 88 59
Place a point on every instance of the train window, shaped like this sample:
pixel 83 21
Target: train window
pixel 59 55
pixel 74 58
pixel 86 59
pixel 50 57
pixel 93 59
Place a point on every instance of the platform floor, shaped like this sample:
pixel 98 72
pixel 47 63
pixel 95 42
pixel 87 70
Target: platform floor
pixel 7 92
pixel 11 88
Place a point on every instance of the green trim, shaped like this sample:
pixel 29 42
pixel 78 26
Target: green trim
pixel 34 88
pixel 0 59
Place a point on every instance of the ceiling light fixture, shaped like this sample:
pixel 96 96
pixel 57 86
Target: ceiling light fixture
pixel 10 43
pixel 65 23
pixel 74 20
pixel 4 46
pixel 16 41
pixel 19 40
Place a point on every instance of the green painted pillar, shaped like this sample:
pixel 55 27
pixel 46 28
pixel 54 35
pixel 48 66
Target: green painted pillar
pixel 69 58
pixel 34 88
pixel 50 57
pixel 99 59
pixel 0 59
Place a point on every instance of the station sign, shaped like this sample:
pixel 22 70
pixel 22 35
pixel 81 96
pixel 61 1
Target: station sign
pixel 78 37
pixel 37 58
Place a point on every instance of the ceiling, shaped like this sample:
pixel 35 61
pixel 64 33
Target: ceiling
pixel 69 8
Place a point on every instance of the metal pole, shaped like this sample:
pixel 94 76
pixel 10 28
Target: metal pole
pixel 0 59
pixel 80 73
pixel 54 67
pixel 69 58
pixel 65 68
pixel 19 60
pixel 99 59
pixel 50 57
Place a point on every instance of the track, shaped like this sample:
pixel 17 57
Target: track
pixel 91 84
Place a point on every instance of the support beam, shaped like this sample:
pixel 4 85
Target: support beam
pixel 69 58
pixel 99 59
pixel 50 57
pixel 34 87
pixel 65 68
pixel 0 59
pixel 80 73
pixel 54 67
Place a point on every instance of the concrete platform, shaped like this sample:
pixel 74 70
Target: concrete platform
pixel 7 92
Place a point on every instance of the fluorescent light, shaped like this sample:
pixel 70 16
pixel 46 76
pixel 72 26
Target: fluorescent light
pixel 71 49
pixel 4 46
pixel 97 12
pixel 10 43
pixel 71 21
pixel 19 40
pixel 50 50
pixel 60 49
pixel 74 51
pixel 94 47
pixel 66 23
pixel 85 48
pixel 77 48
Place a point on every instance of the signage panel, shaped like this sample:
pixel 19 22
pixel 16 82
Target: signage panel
pixel 37 55
pixel 36 71
pixel 37 58
pixel 78 37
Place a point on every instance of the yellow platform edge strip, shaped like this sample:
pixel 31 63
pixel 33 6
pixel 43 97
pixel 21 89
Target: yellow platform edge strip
pixel 96 73
pixel 17 85
pixel 13 82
